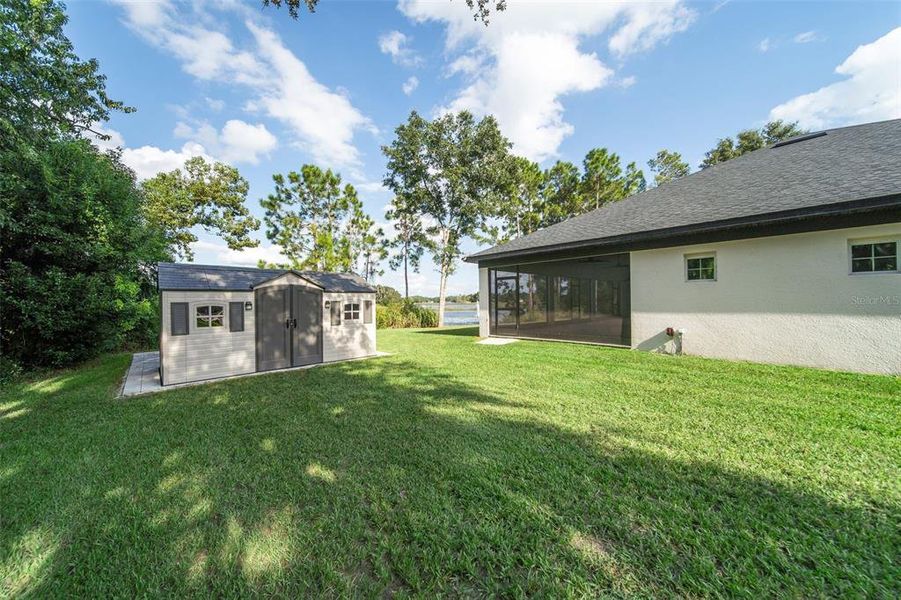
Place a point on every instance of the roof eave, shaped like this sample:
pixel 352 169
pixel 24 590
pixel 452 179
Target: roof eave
pixel 876 204
pixel 288 272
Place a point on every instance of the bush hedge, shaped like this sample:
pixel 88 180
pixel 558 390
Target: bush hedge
pixel 401 315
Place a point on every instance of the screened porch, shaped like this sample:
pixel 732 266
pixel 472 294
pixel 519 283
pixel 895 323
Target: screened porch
pixel 583 300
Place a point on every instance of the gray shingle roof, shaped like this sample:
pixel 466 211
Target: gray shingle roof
pixel 846 164
pixel 180 276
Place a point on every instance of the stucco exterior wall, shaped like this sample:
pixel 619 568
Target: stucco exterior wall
pixel 206 353
pixel 350 339
pixel 785 299
pixel 483 303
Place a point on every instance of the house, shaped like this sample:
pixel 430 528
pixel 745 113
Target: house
pixel 789 255
pixel 221 321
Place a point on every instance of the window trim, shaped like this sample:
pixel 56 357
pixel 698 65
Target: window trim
pixel 194 328
pixel 354 313
pixel 698 255
pixel 892 239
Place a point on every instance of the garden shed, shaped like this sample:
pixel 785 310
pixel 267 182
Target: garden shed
pixel 218 321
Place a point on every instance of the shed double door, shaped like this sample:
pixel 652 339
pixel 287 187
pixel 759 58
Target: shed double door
pixel 288 326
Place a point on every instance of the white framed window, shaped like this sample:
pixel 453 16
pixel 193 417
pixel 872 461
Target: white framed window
pixel 874 256
pixel 351 311
pixel 209 316
pixel 700 267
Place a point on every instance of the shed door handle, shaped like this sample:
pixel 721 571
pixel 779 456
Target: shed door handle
pixel 287 323
pixel 294 323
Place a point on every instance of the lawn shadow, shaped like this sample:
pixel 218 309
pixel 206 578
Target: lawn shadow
pixel 387 477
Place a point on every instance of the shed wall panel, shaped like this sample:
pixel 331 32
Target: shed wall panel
pixel 206 353
pixel 352 338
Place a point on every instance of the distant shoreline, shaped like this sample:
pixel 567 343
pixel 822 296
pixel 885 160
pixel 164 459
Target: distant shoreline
pixel 450 306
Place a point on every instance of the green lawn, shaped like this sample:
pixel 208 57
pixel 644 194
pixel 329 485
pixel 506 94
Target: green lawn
pixel 458 469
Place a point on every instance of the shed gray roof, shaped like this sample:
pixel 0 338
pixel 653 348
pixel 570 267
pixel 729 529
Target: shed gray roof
pixel 180 276
pixel 846 164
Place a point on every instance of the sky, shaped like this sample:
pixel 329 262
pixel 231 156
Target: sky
pixel 236 82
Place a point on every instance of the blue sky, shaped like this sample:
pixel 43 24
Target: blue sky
pixel 252 87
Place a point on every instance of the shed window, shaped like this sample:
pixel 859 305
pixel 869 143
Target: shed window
pixel 178 322
pixel 236 316
pixel 367 311
pixel 351 311
pixel 874 257
pixel 335 309
pixel 700 268
pixel 209 315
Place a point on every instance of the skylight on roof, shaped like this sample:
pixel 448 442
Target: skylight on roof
pixel 799 138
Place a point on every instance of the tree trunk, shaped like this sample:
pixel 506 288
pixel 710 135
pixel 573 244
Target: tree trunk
pixel 442 290
pixel 406 278
pixel 445 267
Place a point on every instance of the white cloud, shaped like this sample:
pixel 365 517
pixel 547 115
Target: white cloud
pixel 764 45
pixel 871 90
pixel 237 142
pixel 806 37
pixel 370 187
pixel 626 82
pixel 204 53
pixel 215 104
pixel 220 254
pixel 522 65
pixel 466 64
pixel 649 24
pixel 147 161
pixel 410 85
pixel 114 138
pixel 396 45
pixel 323 121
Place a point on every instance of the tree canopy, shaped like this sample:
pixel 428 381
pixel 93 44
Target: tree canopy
pixel 385 294
pixel 74 251
pixel 452 172
pixel 534 199
pixel 45 89
pixel 603 178
pixel 667 166
pixel 320 224
pixel 410 240
pixel 749 140
pixel 211 196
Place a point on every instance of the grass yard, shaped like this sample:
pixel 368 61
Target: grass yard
pixel 456 469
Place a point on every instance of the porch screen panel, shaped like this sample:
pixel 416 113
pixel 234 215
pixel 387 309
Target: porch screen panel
pixel 583 300
pixel 505 302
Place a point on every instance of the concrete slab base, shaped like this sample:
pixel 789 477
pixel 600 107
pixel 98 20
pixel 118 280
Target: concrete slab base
pixel 143 376
pixel 493 341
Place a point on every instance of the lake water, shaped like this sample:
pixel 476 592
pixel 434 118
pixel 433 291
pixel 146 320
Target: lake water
pixel 456 314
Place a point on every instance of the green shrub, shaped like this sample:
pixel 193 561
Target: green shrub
pixel 400 315
pixel 74 256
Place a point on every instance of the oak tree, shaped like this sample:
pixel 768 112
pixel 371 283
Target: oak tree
pixel 201 194
pixel 453 171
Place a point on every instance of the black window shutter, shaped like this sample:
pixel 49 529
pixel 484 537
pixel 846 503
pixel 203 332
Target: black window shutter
pixel 179 318
pixel 236 316
pixel 367 311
